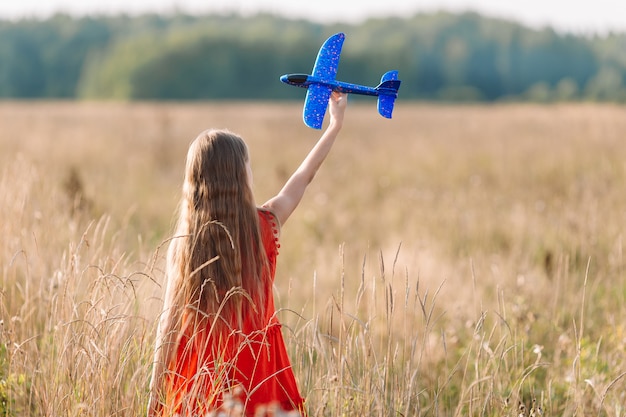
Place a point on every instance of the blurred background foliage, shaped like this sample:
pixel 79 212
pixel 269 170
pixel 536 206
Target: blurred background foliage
pixel 440 56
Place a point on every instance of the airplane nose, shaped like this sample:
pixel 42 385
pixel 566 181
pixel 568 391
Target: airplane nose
pixel 295 79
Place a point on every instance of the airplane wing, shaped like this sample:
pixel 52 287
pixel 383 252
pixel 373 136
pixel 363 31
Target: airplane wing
pixel 328 58
pixel 325 68
pixel 315 105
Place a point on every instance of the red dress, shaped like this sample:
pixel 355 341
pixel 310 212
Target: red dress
pixel 250 369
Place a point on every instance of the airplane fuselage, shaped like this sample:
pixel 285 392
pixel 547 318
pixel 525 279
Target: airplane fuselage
pixel 305 80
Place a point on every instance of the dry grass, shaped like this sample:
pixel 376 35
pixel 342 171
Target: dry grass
pixel 457 260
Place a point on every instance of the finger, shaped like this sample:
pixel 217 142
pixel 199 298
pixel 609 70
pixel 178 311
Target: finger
pixel 337 96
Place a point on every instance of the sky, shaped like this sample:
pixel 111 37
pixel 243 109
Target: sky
pixel 579 17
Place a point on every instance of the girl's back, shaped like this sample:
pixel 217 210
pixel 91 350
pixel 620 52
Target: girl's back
pixel 250 367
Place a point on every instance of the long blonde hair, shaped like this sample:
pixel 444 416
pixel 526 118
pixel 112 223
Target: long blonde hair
pixel 217 258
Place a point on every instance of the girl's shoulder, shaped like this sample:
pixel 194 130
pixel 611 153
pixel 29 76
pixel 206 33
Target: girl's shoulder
pixel 268 217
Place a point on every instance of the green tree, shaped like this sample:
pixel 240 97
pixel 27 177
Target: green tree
pixel 21 73
pixel 440 56
pixel 607 84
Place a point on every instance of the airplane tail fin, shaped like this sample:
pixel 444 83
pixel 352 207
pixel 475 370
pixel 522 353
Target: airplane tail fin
pixel 388 92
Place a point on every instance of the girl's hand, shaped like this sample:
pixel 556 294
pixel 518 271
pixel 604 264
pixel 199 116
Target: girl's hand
pixel 337 106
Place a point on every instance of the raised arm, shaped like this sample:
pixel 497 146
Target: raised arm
pixel 285 202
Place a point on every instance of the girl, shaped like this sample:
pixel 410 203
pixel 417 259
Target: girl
pixel 219 344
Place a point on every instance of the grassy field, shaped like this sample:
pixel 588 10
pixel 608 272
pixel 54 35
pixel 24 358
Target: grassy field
pixel 455 261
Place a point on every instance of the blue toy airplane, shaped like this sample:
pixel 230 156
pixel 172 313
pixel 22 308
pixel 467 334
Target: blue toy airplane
pixel 322 83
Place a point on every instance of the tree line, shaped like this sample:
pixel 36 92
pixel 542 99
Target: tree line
pixel 440 56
